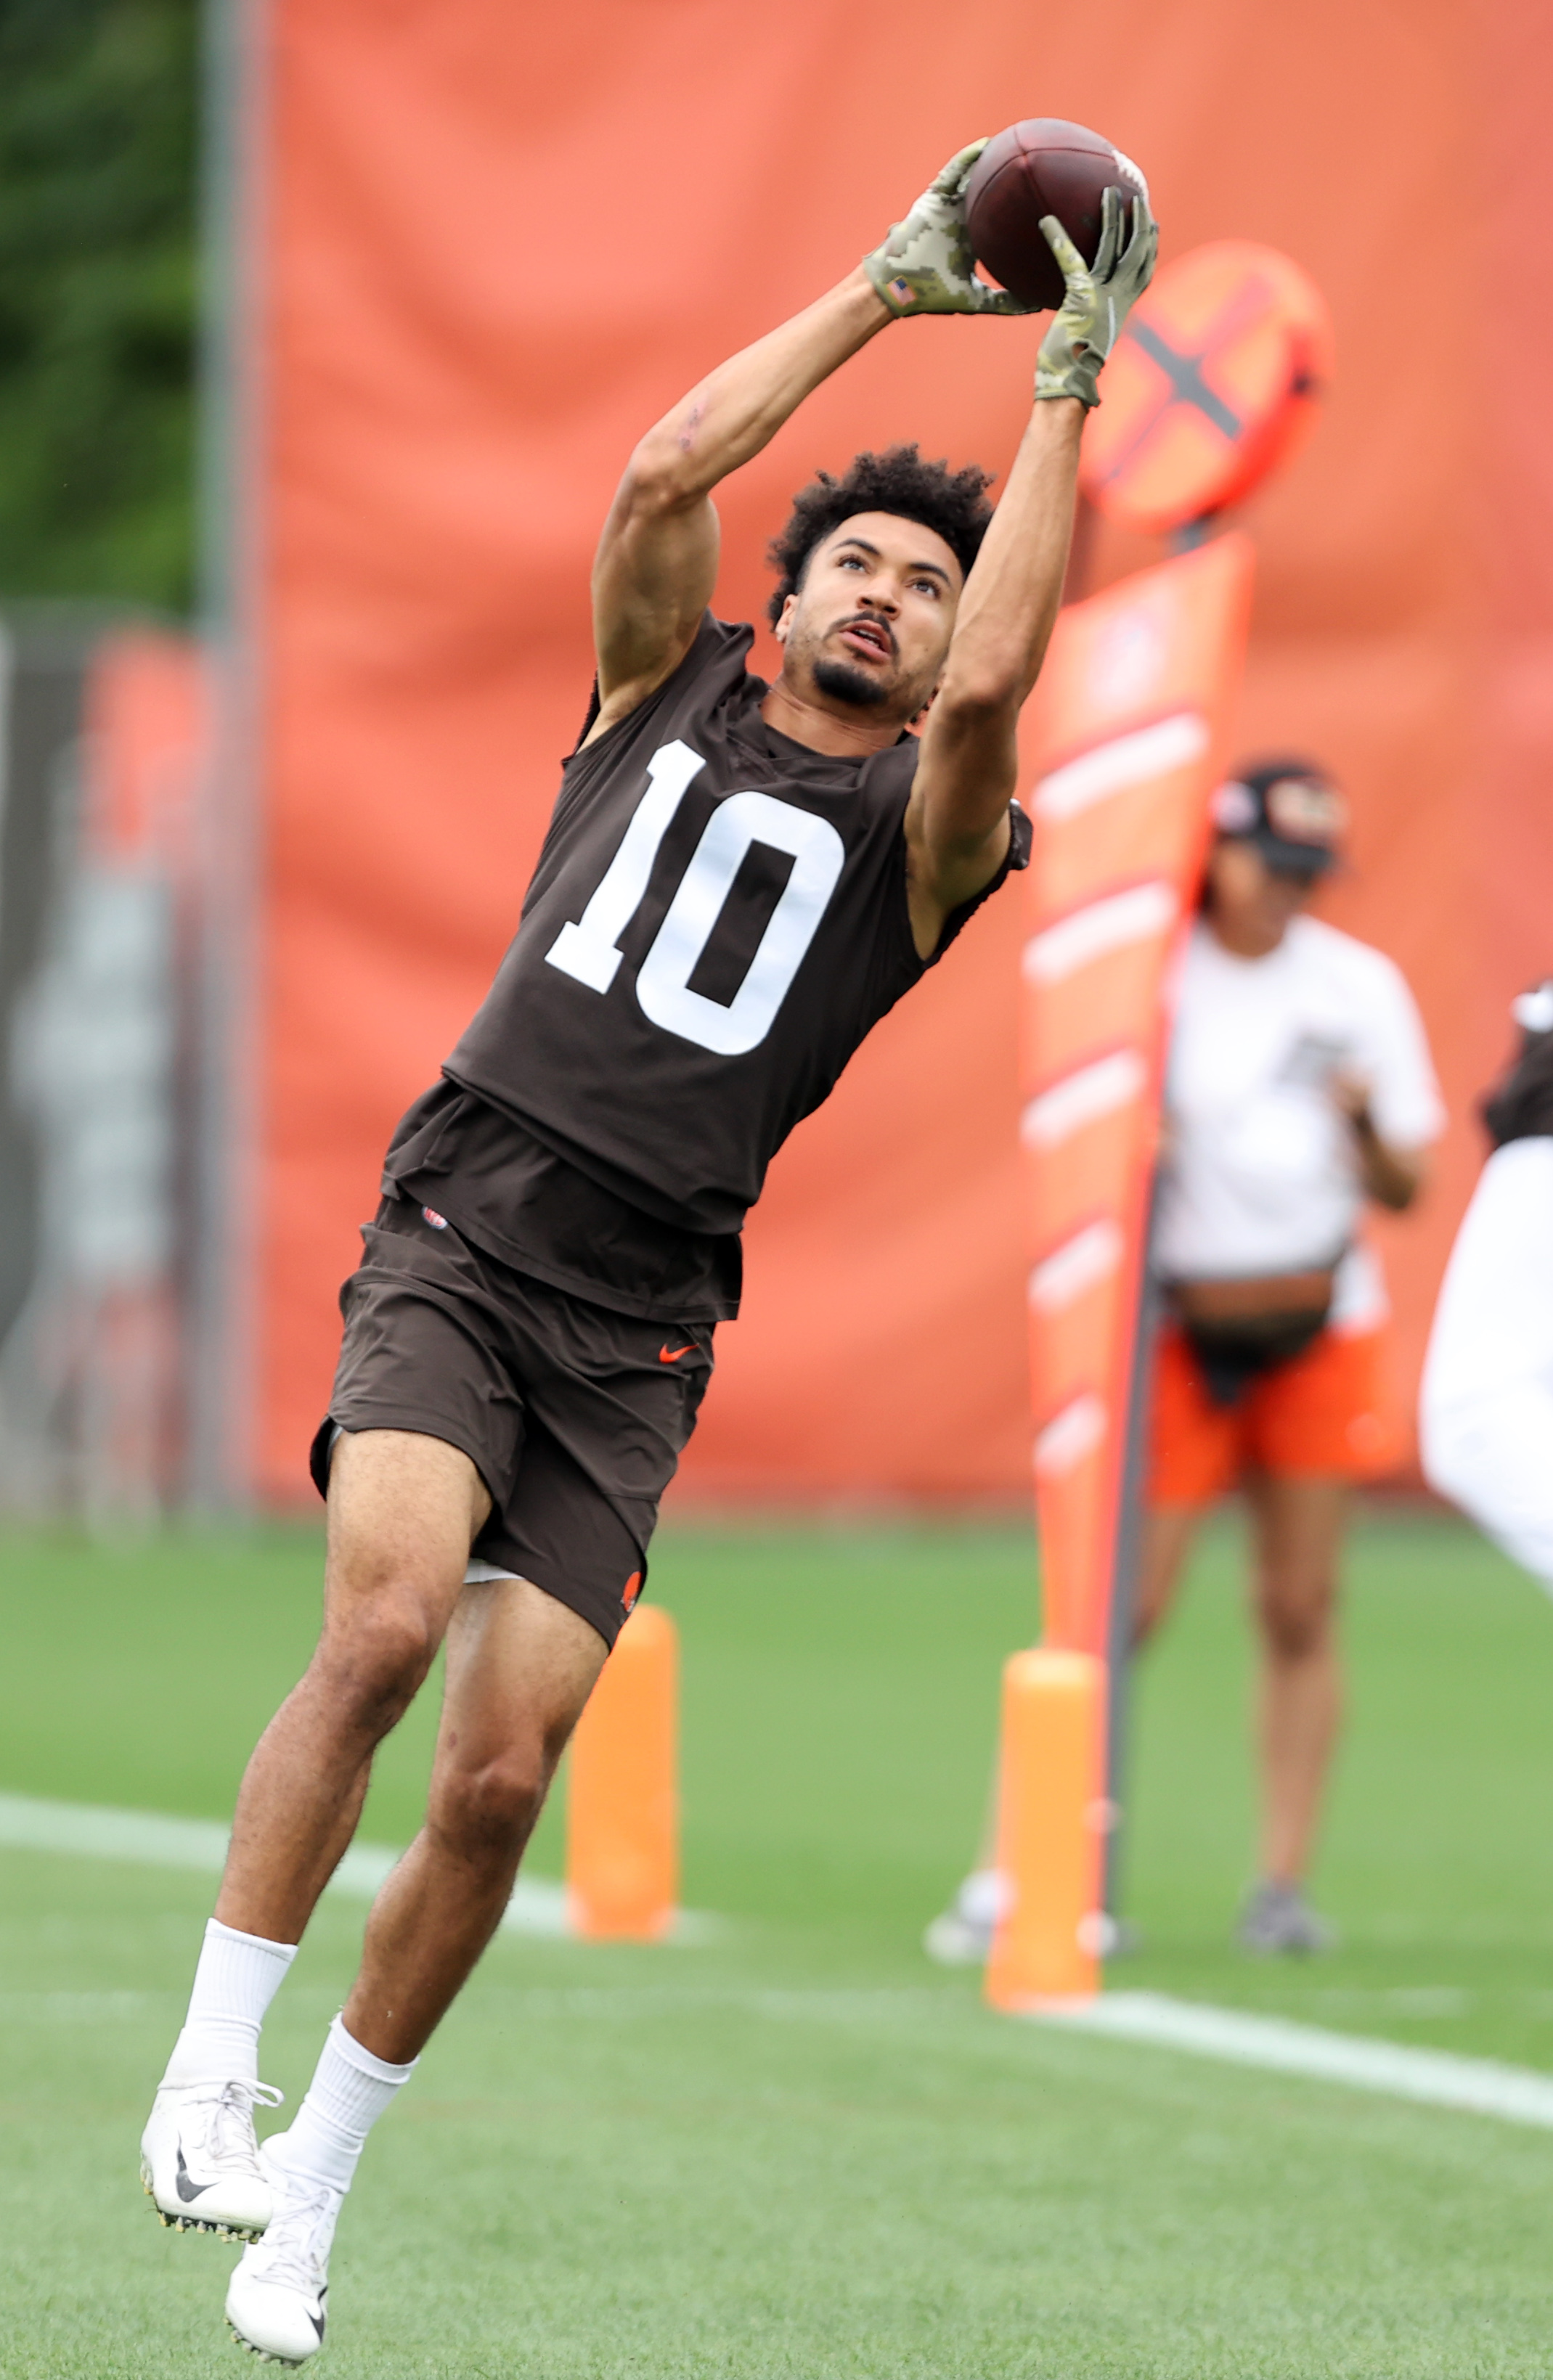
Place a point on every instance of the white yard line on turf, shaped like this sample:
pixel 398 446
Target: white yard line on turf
pixel 536 1906
pixel 1480 2085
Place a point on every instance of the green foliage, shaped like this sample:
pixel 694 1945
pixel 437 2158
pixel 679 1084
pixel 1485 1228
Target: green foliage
pixel 98 118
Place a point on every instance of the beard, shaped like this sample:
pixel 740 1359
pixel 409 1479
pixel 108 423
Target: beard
pixel 845 683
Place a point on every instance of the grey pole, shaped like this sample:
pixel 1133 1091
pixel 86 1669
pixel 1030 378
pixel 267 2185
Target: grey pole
pixel 230 855
pixel 1128 1546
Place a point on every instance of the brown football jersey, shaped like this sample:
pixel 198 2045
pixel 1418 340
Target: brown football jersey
pixel 717 920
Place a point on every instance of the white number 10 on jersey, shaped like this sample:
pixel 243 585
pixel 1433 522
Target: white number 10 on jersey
pixel 588 951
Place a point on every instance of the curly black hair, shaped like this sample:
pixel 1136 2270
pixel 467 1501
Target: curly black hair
pixel 953 503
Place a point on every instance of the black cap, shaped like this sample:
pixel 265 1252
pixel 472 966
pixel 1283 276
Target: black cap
pixel 1290 809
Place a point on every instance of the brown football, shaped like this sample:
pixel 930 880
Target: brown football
pixel 1043 166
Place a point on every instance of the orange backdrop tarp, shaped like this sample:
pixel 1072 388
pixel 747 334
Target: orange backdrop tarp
pixel 496 244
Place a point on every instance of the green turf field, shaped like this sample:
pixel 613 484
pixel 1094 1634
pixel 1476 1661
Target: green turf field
pixel 801 2150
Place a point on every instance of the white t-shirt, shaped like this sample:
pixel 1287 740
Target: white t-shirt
pixel 1260 1173
pixel 1486 1411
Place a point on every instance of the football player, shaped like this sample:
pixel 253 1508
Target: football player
pixel 738 880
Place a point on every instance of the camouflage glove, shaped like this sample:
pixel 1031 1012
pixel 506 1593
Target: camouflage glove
pixel 1099 296
pixel 925 265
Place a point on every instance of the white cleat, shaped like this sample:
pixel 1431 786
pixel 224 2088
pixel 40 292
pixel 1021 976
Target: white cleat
pixel 963 1936
pixel 274 2305
pixel 199 2160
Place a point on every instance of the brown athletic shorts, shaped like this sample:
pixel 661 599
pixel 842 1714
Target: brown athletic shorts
pixel 574 1417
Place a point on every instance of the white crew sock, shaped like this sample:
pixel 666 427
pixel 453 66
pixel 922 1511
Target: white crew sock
pixel 347 2094
pixel 238 1977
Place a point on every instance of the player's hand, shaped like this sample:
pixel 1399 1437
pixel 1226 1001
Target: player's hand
pixel 1098 299
pixel 925 264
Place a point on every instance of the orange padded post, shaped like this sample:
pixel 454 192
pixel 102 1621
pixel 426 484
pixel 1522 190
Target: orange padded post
pixel 1049 1829
pixel 622 1796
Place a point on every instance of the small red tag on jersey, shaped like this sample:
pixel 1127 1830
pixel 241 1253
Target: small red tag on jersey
pixel 632 1589
pixel 438 1222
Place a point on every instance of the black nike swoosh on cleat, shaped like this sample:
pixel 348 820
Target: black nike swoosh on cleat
pixel 320 2318
pixel 190 2191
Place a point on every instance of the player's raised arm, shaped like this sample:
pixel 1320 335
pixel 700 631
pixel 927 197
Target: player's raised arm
pixel 957 826
pixel 657 558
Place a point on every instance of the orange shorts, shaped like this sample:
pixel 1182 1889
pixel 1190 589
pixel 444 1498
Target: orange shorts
pixel 1328 1415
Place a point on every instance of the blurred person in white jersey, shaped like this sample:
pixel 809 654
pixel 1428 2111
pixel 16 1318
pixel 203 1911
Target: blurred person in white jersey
pixel 1299 1086
pixel 1485 1412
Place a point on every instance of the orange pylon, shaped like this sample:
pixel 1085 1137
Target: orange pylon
pixel 1050 1830
pixel 622 1796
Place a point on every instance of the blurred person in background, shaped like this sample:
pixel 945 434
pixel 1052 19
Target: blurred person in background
pixel 1299 1086
pixel 1485 1410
